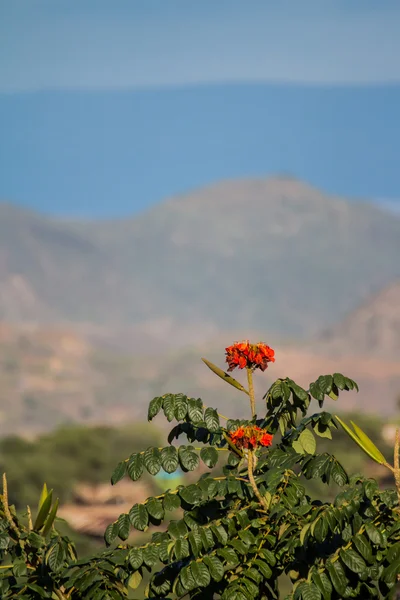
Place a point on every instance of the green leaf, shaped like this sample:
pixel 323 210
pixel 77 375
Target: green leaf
pixel 334 393
pixel 296 445
pixel 247 537
pixel 124 526
pixel 320 528
pixel 111 533
pixel 135 580
pixel 200 573
pixel 220 533
pixel 169 407
pixel 368 443
pixel 191 494
pixel 268 556
pixel 323 583
pixel 177 528
pixel 150 555
pixel 39 590
pixel 236 593
pixel 195 410
pixel 169 459
pixel 229 555
pixel 139 517
pixel 181 548
pixel 239 546
pixel 187 579
pixel 307 440
pixel 393 552
pixel 135 467
pixel 43 497
pixel 374 534
pixel 298 391
pixel 318 466
pixel 391 572
pixel 43 512
pixel 5 541
pixel 254 575
pixel 34 539
pixel 211 419
pixel 338 576
pixel 181 406
pixel 338 474
pixel 19 568
pixel 154 407
pixel 277 391
pixel 171 502
pixel 195 542
pixel 164 550
pixel 152 460
pixel 251 587
pixel 316 391
pixel 310 591
pixel 322 430
pixel 363 546
pixel 55 557
pixel 119 472
pixel 225 376
pixel 135 558
pixel 339 381
pixel 51 518
pixel 325 383
pixel 209 456
pixel 353 560
pixel 188 458
pixel 215 566
pixel 264 569
pixel 155 508
pixel 303 533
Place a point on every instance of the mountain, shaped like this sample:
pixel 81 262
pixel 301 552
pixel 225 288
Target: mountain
pixel 373 329
pixel 274 255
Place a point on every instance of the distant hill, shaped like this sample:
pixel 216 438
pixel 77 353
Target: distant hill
pixel 54 376
pixel 373 329
pixel 274 255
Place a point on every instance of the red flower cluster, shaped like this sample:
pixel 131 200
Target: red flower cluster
pixel 250 356
pixel 250 437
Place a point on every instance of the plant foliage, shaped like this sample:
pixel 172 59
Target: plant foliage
pixel 236 533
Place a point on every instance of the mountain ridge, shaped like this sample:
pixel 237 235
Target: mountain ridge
pixel 274 254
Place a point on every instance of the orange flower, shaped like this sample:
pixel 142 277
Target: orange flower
pixel 251 437
pixel 266 439
pixel 237 435
pixel 250 356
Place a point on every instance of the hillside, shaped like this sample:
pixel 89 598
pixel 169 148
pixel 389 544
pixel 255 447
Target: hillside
pixel 372 329
pixel 54 376
pixel 274 255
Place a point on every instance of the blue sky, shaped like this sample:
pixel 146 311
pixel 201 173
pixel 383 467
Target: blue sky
pixel 107 107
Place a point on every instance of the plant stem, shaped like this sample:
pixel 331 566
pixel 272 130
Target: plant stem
pixel 250 459
pixel 6 508
pixel 396 463
pixel 251 391
pixel 29 513
pixel 250 453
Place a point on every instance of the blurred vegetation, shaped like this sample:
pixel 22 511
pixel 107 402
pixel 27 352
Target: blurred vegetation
pixel 73 455
pixel 68 456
